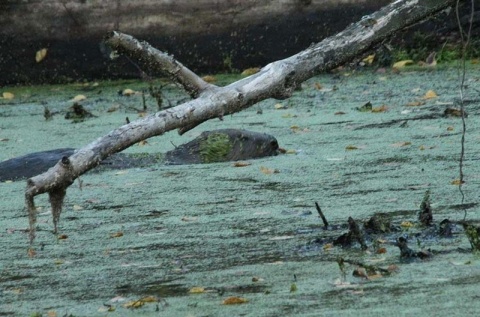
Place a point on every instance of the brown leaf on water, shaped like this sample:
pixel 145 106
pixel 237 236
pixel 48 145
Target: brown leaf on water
pixel 31 252
pixel 381 250
pixel 116 234
pixel 450 128
pixel 40 55
pixel 62 237
pixel 415 104
pixel 351 147
pixel 401 144
pixel 268 171
pixel 149 299
pixel 52 313
pixel 234 300
pixel 318 86
pixel 457 182
pixel 134 304
pixel 382 108
pixel 241 164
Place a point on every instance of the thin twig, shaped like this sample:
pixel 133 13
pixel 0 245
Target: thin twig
pixel 465 38
pixel 325 222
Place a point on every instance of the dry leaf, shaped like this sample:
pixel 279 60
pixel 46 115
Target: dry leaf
pixel 209 79
pixel 116 234
pixel 457 182
pixel 234 300
pixel 351 147
pixel 369 59
pixel 196 290
pixel 268 171
pixel 142 143
pixel 402 64
pixel 31 252
pixel 58 262
pixel 401 144
pixel 8 95
pixel 318 86
pixel 52 313
pixel 40 55
pixel 78 98
pixel 149 299
pixel 241 164
pixel 113 108
pixel 406 224
pixel 62 237
pixel 415 103
pixel 429 95
pixel 381 250
pixel 382 108
pixel 422 148
pixel 134 304
pixel 327 246
pixel 250 71
pixel 450 128
pixel 128 92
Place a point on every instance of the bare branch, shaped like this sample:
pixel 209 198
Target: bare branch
pixel 152 59
pixel 276 80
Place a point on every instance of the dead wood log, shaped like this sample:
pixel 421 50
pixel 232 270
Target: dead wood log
pixel 276 80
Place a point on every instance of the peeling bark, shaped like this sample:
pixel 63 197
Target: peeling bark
pixel 276 80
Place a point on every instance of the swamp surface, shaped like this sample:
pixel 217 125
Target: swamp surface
pixel 191 236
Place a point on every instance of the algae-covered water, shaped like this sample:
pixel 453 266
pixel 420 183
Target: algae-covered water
pixel 191 236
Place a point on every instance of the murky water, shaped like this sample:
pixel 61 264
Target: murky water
pixel 249 231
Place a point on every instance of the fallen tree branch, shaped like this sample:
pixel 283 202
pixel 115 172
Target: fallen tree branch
pixel 276 80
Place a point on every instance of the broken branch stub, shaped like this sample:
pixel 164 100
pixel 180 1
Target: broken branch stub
pixel 276 80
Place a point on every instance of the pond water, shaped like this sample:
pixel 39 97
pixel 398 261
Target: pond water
pixel 193 235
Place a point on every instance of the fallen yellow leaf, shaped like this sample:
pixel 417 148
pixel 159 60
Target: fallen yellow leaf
pixel 250 71
pixel 40 55
pixel 8 95
pixel 351 147
pixel 457 182
pixel 369 59
pixel 196 290
pixel 267 171
pixel 406 224
pixel 78 98
pixel 134 304
pixel 209 79
pixel 402 64
pixel 430 94
pixel 128 92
